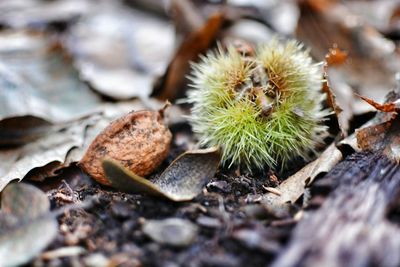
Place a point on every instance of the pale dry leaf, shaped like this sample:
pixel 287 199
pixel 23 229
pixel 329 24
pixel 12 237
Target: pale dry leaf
pixel 39 87
pixel 281 16
pixel 249 30
pixel 349 141
pixel 50 151
pixel 33 229
pixel 181 181
pixel 120 51
pixel 37 80
pixel 344 99
pixel 293 187
pixel 19 246
pixel 343 121
pixel 24 202
pixel 64 144
pixel 373 60
pixel 25 14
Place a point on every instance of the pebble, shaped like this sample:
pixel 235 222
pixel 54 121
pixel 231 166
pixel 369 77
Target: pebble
pixel 208 222
pixel 220 185
pixel 254 239
pixel 96 260
pixel 174 231
pixel 121 209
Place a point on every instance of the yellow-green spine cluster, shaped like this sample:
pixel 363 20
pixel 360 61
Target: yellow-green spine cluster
pixel 261 109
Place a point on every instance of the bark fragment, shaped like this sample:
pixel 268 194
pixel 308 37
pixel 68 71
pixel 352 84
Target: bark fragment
pixel 352 227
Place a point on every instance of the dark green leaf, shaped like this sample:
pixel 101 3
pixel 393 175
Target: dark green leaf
pixel 181 181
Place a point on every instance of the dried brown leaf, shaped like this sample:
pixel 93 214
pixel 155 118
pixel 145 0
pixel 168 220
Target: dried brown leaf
pixel 139 140
pixel 383 138
pixel 196 43
pixel 335 56
pixel 372 137
pixel 380 119
pixel 21 130
pixel 381 133
pixel 386 107
pixel 343 121
pixel 373 60
pixel 181 181
pixel 186 16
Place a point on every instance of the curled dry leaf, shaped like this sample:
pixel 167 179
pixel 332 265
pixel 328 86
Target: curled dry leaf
pixel 372 127
pixel 21 130
pixel 386 107
pixel 32 228
pixel 384 137
pixel 196 43
pixel 334 57
pixel 48 154
pixel 63 144
pixel 383 133
pixel 139 140
pixel 181 181
pixel 186 17
pixel 39 87
pixel 293 187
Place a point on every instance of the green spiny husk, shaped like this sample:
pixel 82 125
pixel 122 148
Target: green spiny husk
pixel 227 112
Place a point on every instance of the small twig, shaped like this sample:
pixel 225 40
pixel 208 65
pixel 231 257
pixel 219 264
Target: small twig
pixel 272 190
pixel 83 205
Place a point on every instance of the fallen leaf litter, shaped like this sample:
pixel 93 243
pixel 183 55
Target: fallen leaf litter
pixel 214 224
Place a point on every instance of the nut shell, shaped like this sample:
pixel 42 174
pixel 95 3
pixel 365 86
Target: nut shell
pixel 140 141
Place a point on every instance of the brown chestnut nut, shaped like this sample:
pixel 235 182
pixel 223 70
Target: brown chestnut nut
pixel 140 141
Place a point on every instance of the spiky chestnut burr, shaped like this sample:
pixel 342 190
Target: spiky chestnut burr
pixel 261 107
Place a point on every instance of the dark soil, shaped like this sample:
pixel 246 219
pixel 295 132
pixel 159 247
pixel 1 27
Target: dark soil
pixel 235 229
pixel 112 226
pixel 229 234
